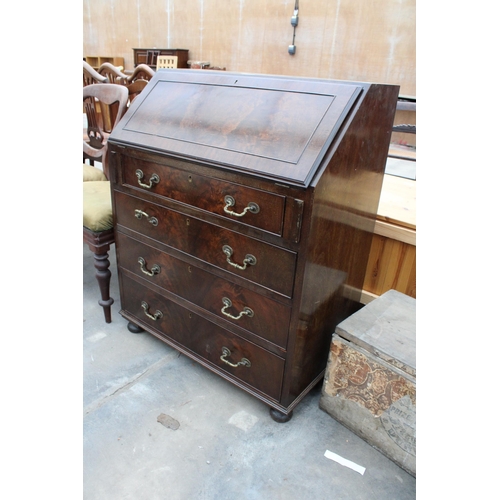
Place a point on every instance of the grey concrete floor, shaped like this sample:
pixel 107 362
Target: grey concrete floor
pixel 226 445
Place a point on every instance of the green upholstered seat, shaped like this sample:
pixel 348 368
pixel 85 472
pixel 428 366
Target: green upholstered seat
pixel 97 208
pixel 91 173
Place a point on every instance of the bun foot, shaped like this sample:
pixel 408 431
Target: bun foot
pixel 134 328
pixel 280 417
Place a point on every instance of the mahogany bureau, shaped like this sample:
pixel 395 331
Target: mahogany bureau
pixel 244 209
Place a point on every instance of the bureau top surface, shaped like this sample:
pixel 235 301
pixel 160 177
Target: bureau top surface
pixel 274 127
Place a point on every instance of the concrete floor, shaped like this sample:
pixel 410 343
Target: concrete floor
pixel 226 445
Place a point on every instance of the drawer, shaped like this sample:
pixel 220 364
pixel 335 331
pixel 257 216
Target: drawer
pixel 254 260
pixel 259 315
pixel 249 206
pixel 253 365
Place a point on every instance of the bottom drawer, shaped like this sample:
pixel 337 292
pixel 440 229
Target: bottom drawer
pixel 223 350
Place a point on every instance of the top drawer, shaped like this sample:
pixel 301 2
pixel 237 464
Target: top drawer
pixel 249 206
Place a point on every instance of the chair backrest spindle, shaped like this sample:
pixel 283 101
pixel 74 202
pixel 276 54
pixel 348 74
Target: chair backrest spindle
pixel 104 105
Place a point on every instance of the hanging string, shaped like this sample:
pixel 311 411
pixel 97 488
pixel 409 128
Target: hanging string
pixel 295 22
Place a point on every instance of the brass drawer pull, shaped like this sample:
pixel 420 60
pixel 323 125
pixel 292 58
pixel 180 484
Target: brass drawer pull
pixel 227 304
pixel 155 179
pixel 226 352
pixel 154 270
pixel 157 315
pixel 140 214
pixel 248 260
pixel 230 202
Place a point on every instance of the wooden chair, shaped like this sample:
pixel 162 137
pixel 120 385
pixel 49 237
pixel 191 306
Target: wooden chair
pixel 104 105
pixel 141 72
pixel 98 232
pixel 151 57
pixel 166 62
pixel 112 73
pixel 136 82
pixel 135 88
pixel 91 76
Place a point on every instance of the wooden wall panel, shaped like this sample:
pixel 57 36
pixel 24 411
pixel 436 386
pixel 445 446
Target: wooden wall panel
pixel 222 32
pixel 125 33
pixel 392 259
pixel 359 40
pixel 391 266
pixel 153 20
pixel 186 27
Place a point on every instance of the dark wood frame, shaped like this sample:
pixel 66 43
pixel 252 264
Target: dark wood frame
pixel 330 204
pixel 149 56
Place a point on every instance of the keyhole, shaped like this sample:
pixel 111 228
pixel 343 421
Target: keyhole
pixel 190 178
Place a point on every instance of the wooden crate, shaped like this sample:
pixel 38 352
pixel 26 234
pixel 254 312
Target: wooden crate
pixel 370 378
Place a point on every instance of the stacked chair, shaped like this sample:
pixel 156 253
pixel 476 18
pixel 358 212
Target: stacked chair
pixel 112 73
pixel 107 93
pixel 136 82
pixel 91 76
pixel 104 104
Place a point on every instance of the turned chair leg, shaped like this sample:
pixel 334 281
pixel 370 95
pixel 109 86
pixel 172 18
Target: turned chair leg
pixel 103 275
pixel 99 244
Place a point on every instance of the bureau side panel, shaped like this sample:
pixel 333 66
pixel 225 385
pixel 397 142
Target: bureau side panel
pixel 345 197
